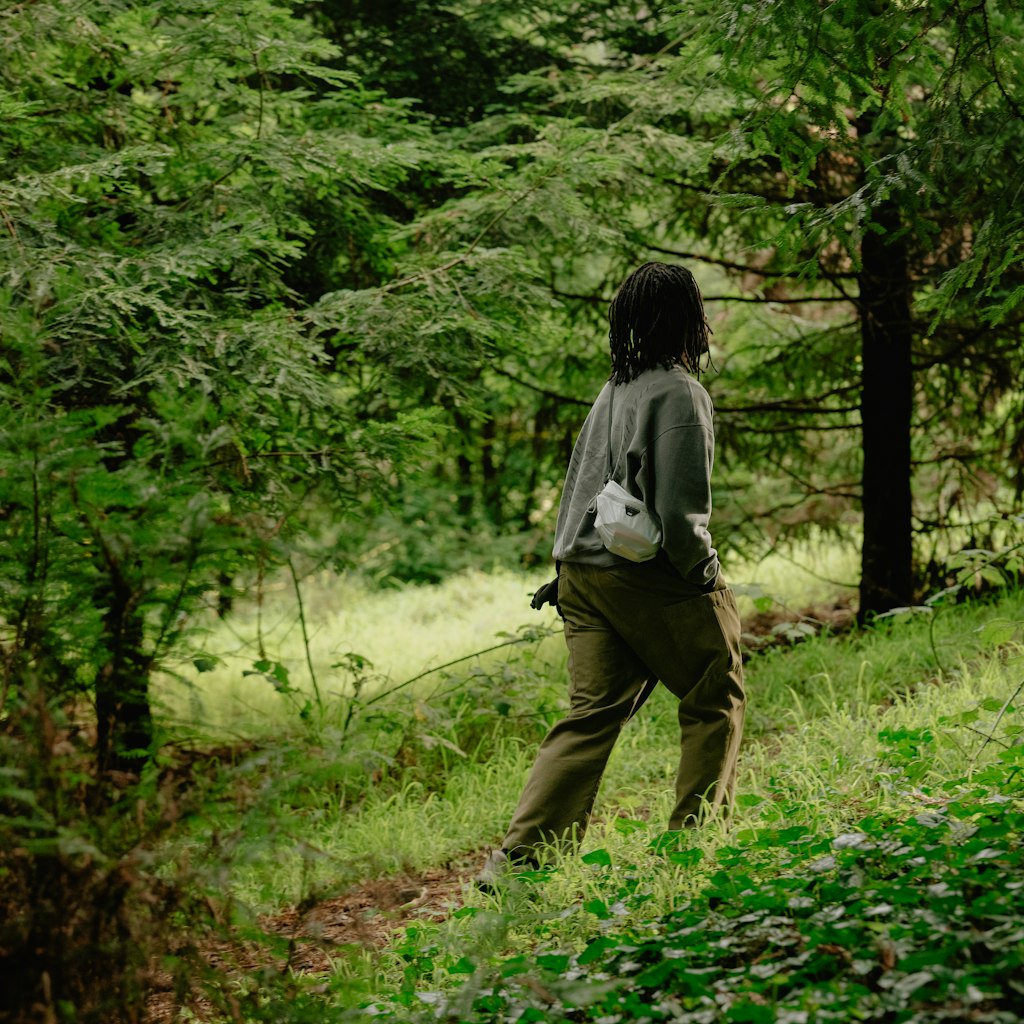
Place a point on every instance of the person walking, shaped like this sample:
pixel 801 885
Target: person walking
pixel 630 624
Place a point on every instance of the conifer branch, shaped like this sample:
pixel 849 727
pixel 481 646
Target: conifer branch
pixel 455 261
pixel 1010 101
pixel 811 406
pixel 565 399
pixel 755 299
pixel 743 268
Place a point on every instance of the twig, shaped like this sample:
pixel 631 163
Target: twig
pixel 933 643
pixel 810 572
pixel 463 256
pixel 987 737
pixel 456 661
pixel 1010 101
pixel 565 399
pixel 305 633
pixel 1002 711
pixel 744 268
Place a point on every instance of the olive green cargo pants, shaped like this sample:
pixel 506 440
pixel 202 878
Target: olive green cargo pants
pixel 626 628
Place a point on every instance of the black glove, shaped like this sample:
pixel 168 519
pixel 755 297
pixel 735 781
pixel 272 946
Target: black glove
pixel 548 594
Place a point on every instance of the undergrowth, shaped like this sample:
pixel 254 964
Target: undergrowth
pixel 869 872
pixel 869 869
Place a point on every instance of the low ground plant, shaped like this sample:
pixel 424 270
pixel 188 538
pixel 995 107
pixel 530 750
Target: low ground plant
pixel 880 788
pixel 885 734
pixel 869 871
pixel 426 739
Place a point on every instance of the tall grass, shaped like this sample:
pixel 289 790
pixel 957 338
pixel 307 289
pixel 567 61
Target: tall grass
pixel 886 721
pixel 887 732
pixel 436 772
pixel 395 634
pixel 399 634
pixel 440 764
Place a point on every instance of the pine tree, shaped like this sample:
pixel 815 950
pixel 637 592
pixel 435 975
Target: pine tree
pixel 170 413
pixel 844 165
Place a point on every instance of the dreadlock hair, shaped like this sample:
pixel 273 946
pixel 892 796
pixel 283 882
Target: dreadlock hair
pixel 656 319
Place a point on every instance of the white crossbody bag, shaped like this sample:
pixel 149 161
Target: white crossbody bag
pixel 623 523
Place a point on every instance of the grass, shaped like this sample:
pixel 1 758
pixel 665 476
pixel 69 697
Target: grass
pixel 399 633
pixel 828 766
pixel 879 724
pixel 325 843
pixel 406 632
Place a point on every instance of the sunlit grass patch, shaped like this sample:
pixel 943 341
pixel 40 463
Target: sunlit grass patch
pixel 260 665
pixel 354 633
pixel 380 637
pixel 815 572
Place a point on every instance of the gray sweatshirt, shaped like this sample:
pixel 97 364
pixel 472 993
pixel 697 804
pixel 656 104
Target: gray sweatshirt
pixel 662 450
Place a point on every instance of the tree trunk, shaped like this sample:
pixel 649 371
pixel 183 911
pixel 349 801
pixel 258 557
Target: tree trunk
pixel 464 465
pixel 489 473
pixel 887 573
pixel 124 722
pixel 538 442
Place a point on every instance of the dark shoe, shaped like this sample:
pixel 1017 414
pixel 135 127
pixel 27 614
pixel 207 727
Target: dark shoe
pixel 496 868
pixel 499 867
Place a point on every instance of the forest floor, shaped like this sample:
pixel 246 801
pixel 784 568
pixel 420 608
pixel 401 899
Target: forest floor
pixel 372 910
pixel 849 734
pixel 365 916
pixel 369 913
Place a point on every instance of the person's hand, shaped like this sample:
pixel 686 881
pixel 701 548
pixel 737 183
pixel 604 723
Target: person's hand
pixel 548 594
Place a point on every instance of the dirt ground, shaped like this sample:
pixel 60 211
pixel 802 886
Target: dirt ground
pixel 369 912
pixel 366 915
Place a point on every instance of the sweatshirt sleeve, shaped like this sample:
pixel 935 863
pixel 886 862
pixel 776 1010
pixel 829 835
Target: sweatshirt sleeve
pixel 677 486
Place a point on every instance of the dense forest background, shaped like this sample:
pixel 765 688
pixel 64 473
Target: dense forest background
pixel 289 286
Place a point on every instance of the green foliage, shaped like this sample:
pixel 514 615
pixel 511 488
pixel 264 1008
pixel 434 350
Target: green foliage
pixel 890 797
pixel 770 144
pixel 169 418
pixel 871 874
pixel 170 415
pixel 452 60
pixel 247 289
pixel 905 918
pixel 98 886
pixel 864 124
pixel 911 918
pixel 320 799
pixel 87 909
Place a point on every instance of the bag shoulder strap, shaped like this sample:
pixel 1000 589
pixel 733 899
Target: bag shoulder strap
pixel 611 406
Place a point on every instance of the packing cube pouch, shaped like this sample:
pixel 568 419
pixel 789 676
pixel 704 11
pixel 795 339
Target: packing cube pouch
pixel 625 526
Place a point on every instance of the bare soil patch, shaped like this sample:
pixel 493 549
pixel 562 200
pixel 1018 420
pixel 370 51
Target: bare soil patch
pixel 368 913
pixel 365 916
